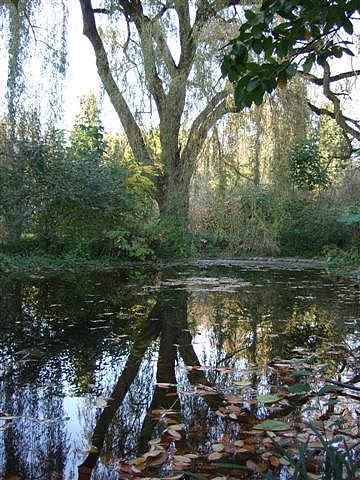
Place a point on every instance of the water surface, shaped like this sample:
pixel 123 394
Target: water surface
pixel 89 362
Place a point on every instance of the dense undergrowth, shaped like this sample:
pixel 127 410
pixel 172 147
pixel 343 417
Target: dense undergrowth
pixel 84 200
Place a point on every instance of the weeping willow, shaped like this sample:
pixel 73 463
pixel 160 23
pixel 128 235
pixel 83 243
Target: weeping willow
pixel 36 61
pixel 34 53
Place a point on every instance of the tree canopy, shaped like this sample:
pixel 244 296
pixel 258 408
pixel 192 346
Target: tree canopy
pixel 285 38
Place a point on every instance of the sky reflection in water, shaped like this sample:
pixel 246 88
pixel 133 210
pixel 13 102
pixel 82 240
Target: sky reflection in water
pixel 72 342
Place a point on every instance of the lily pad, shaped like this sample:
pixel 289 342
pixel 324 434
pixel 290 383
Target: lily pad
pixel 272 425
pixel 299 388
pixel 268 398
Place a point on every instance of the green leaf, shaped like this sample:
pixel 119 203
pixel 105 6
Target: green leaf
pixel 291 70
pixel 299 388
pixel 302 373
pixel 348 27
pixel 257 46
pixel 309 62
pixel 272 425
pixel 328 388
pixel 253 84
pixel 268 398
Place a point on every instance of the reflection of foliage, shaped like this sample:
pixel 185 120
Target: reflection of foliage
pixel 316 330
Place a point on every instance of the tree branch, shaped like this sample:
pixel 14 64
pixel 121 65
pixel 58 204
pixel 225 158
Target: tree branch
pixel 207 10
pixel 335 78
pixel 348 130
pixel 132 129
pixel 164 49
pixel 216 108
pixel 101 10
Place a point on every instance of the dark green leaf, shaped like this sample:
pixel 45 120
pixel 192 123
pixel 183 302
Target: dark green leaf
pixel 328 388
pixel 348 27
pixel 299 388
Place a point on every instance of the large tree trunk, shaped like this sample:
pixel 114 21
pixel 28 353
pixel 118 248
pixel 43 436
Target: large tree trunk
pixel 168 90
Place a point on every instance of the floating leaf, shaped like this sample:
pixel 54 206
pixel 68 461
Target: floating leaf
pixel 174 434
pixel 218 447
pixel 302 373
pixel 273 425
pixel 268 398
pixel 182 459
pixel 327 388
pixel 242 383
pixel 299 388
pixel 215 456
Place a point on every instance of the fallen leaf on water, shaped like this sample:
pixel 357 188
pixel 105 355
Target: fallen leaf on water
pixel 182 458
pixel 177 426
pixel 137 461
pixel 173 433
pixel 275 462
pixel 215 456
pixel 155 441
pixel 261 467
pixel 218 447
pixel 234 399
pixel 242 383
pixel 251 465
pixel 159 460
pixel 239 443
pixel 274 425
pixel 268 398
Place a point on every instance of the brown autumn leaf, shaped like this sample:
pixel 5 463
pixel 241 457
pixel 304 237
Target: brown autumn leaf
pixel 182 458
pixel 215 456
pixel 239 443
pixel 159 460
pixel 234 399
pixel 152 454
pixel 262 467
pixel 137 461
pixel 251 465
pixel 180 466
pixel 177 426
pixel 275 462
pixel 174 434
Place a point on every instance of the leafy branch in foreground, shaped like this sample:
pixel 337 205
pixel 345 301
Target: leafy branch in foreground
pixel 283 38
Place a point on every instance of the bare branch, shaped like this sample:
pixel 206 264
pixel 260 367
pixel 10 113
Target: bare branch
pixel 335 78
pixel 348 130
pixel 101 10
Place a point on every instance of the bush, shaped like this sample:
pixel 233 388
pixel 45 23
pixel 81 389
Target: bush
pixel 241 222
pixel 307 228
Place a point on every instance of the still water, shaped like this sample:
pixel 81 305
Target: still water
pixel 88 361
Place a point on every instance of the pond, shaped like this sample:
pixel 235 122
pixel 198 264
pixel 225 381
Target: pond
pixel 153 372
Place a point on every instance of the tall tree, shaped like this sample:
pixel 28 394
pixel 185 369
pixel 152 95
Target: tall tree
pixel 169 35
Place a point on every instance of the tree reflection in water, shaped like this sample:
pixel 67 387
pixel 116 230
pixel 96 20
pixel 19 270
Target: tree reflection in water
pixel 99 337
